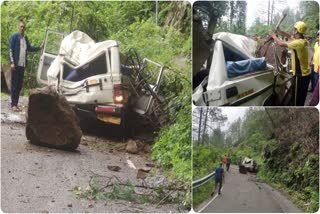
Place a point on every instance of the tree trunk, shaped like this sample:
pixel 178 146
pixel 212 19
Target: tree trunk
pixel 268 12
pixel 200 121
pixel 205 126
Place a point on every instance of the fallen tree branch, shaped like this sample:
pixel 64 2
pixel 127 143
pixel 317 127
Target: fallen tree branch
pixel 119 182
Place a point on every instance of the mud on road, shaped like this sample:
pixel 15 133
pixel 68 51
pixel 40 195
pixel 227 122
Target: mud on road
pixel 39 179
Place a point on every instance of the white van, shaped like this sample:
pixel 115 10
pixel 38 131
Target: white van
pixel 92 78
pixel 235 76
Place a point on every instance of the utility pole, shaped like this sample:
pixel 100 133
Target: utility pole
pixel 157 5
pixel 71 20
pixel 268 12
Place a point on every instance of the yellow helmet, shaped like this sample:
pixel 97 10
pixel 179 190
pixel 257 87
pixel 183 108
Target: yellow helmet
pixel 301 27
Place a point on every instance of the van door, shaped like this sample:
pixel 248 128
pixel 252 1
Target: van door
pixel 148 84
pixel 51 49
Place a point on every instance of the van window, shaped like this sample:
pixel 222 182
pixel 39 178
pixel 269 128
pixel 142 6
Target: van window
pixel 95 67
pixel 238 65
pixel 53 43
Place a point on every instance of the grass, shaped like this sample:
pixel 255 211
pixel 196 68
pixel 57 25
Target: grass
pixel 296 197
pixel 202 193
pixel 105 146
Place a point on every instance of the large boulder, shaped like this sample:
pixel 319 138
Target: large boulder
pixel 51 121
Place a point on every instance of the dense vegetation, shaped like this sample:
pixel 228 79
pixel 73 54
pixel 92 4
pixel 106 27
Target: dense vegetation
pixel 163 37
pixel 284 142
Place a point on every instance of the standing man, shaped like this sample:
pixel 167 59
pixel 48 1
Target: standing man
pixel 228 163
pixel 299 58
pixel 219 175
pixel 18 45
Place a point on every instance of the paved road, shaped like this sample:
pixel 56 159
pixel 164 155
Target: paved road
pixel 37 179
pixel 242 193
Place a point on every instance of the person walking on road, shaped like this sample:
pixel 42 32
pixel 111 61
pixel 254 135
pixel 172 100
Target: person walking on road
pixel 225 161
pixel 239 161
pixel 299 58
pixel 228 163
pixel 18 45
pixel 219 176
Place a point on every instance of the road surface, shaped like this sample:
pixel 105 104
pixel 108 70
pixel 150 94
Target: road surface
pixel 241 193
pixel 38 179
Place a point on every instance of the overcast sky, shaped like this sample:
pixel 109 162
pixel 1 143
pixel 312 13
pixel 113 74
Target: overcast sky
pixel 233 114
pixel 254 8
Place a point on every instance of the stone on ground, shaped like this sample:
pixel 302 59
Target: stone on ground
pixel 132 147
pixel 51 121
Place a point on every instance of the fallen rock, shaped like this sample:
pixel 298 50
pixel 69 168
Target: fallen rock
pixel 147 148
pixel 114 168
pixel 145 169
pixel 51 121
pixel 150 165
pixel 132 147
pixel 142 173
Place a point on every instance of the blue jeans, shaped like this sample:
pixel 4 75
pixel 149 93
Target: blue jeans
pixel 218 182
pixel 16 84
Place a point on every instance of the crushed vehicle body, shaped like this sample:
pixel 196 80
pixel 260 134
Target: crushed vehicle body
pixel 249 164
pixel 234 75
pixel 92 78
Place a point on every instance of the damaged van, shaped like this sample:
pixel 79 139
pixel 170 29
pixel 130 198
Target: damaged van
pixel 92 78
pixel 234 76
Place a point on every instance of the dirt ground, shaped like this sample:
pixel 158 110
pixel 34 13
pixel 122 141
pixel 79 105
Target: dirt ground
pixel 38 179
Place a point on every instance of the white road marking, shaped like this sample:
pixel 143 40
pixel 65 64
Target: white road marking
pixel 209 202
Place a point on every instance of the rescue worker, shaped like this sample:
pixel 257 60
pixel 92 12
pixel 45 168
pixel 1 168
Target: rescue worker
pixel 239 161
pixel 299 58
pixel 314 64
pixel 225 161
pixel 228 163
pixel 219 176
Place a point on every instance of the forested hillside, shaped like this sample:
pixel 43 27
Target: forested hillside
pixel 159 32
pixel 284 142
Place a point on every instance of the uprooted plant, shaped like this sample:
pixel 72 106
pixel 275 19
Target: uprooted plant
pixel 114 188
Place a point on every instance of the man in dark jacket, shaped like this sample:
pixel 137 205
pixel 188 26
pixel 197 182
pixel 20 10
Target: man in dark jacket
pixel 18 45
pixel 228 163
pixel 219 175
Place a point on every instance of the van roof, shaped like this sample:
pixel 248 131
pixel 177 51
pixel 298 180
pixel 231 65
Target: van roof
pixel 243 44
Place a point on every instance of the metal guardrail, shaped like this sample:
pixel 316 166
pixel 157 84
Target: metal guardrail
pixel 201 181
